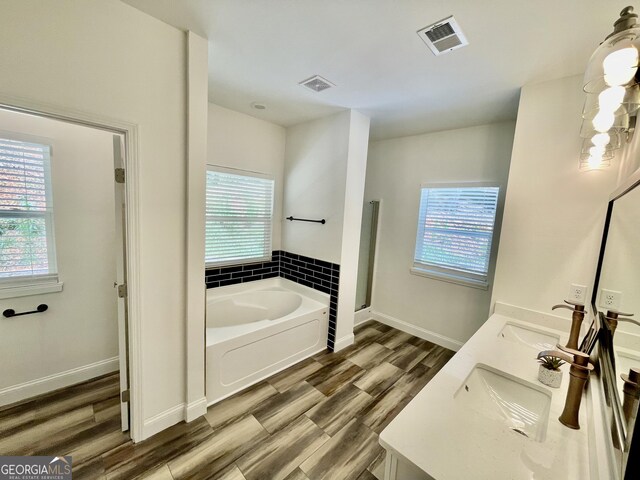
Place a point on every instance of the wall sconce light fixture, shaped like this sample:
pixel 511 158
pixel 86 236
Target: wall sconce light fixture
pixel 611 83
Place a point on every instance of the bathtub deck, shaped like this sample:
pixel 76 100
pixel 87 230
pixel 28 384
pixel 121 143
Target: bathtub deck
pixel 319 419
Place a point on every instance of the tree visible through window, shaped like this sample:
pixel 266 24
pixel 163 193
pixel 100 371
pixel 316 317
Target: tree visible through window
pixel 455 232
pixel 27 251
pixel 239 213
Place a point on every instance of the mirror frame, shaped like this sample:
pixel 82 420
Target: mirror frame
pixel 626 442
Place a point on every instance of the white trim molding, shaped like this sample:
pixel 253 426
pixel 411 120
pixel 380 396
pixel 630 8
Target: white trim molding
pixel 195 409
pixel 132 167
pixel 419 332
pixel 197 115
pixel 28 290
pixel 163 420
pixel 362 316
pixel 343 342
pixel 32 388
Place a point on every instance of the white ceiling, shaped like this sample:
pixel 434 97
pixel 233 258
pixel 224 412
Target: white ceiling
pixel 260 49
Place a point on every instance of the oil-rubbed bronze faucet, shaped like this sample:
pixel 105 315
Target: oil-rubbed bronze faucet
pixel 631 392
pixel 579 373
pixel 576 321
pixel 613 317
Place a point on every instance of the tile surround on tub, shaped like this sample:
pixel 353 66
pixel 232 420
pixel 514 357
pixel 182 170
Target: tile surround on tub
pixel 311 272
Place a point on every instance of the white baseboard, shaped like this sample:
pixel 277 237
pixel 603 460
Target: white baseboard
pixel 195 409
pixel 420 332
pixel 362 316
pixel 163 420
pixel 23 391
pixel 344 342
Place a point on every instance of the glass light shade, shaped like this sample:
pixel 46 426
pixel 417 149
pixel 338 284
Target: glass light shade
pixel 595 158
pixel 615 62
pixel 617 100
pixel 594 153
pixel 607 142
pixel 604 122
pixel 594 163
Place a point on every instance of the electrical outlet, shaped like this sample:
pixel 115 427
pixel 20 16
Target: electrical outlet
pixel 610 299
pixel 578 294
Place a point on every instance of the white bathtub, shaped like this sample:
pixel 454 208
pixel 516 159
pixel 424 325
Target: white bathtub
pixel 256 329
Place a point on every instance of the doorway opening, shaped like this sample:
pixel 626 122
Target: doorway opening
pixel 63 268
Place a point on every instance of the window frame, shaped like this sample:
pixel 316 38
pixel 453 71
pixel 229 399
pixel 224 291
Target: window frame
pixel 25 285
pixel 451 275
pixel 246 173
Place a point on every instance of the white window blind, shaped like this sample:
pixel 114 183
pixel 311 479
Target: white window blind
pixel 27 251
pixel 455 232
pixel 239 216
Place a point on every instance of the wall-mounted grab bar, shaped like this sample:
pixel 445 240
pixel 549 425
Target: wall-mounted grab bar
pixel 10 312
pixel 323 221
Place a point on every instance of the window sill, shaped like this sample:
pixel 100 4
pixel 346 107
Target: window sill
pixel 28 290
pixel 451 278
pixel 246 261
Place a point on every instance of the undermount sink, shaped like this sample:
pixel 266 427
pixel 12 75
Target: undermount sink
pixel 518 405
pixel 529 337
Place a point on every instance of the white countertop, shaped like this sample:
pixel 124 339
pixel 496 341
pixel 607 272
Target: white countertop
pixel 449 442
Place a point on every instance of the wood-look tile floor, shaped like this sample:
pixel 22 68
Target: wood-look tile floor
pixel 319 419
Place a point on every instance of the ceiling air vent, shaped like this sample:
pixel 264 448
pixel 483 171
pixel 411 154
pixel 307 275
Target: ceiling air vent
pixel 443 36
pixel 317 83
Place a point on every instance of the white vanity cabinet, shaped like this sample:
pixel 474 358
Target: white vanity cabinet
pixel 399 469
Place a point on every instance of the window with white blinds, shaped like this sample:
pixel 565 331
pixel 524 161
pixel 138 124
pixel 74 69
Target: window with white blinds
pixel 455 232
pixel 27 251
pixel 239 216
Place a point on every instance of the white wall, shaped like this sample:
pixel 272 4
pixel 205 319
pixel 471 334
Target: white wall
pixel 104 58
pixel 80 329
pixel 240 141
pixel 554 213
pixel 315 182
pixel 325 163
pixel 446 313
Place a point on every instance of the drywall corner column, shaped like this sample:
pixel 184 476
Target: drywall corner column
pixel 352 218
pixel 197 113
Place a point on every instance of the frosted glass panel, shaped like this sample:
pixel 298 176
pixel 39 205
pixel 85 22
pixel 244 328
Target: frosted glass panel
pixel 365 258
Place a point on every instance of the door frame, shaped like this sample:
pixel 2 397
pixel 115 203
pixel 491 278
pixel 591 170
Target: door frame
pixel 132 208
